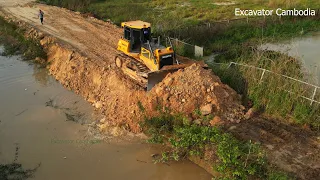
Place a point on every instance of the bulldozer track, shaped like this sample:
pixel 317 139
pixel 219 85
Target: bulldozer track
pixel 134 64
pixel 130 65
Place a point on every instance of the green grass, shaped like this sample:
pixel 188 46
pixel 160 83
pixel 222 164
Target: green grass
pixel 232 158
pixel 182 12
pixel 271 93
pixel 14 41
pixel 184 19
pixel 239 38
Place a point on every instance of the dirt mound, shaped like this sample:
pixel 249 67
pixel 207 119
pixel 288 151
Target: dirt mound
pixel 195 88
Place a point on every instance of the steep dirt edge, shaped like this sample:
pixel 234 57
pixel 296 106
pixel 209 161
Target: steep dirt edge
pixel 98 82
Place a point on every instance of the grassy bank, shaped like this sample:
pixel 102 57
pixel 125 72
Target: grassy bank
pixel 274 94
pixel 230 157
pixel 14 41
pixel 238 38
pixel 171 12
pixel 187 20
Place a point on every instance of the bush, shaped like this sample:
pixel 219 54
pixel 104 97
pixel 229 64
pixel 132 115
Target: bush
pixel 12 37
pixel 79 5
pixel 276 95
pixel 236 159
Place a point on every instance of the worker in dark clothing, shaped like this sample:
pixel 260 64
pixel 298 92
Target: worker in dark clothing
pixel 146 34
pixel 41 13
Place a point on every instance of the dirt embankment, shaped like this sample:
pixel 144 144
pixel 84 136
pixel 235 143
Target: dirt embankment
pixel 99 83
pixel 81 51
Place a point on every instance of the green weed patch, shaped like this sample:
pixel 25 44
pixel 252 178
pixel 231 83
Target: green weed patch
pixel 14 41
pixel 234 159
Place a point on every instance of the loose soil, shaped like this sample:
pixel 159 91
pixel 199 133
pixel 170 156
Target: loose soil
pixel 81 53
pixel 195 88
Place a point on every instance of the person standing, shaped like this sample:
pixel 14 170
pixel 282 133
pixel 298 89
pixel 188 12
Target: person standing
pixel 41 13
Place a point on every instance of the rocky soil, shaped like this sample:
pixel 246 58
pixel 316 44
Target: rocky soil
pixel 195 88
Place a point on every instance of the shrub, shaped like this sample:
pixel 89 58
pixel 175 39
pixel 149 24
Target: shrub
pixel 14 42
pixel 236 159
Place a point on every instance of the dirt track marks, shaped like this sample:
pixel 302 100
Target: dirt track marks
pixel 93 38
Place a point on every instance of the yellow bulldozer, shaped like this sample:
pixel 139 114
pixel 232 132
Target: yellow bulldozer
pixel 142 57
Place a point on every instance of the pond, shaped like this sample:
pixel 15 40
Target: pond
pixel 45 127
pixel 306 49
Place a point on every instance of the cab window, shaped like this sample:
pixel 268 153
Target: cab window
pixel 145 53
pixel 146 34
pixel 127 33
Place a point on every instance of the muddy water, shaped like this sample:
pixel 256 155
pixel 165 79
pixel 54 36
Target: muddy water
pixel 46 126
pixel 307 49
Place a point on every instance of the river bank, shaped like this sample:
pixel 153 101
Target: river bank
pixel 78 73
pixel 36 132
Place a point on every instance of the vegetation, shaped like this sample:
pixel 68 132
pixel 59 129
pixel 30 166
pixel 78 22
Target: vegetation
pixel 69 4
pixel 14 41
pixel 179 17
pixel 276 95
pixel 188 20
pixel 236 159
pixel 15 171
pixel 185 12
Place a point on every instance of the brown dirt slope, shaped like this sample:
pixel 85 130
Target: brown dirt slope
pixel 289 147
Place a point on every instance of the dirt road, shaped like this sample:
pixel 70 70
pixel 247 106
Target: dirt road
pixel 93 38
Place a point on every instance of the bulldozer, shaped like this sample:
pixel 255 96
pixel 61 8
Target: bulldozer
pixel 142 57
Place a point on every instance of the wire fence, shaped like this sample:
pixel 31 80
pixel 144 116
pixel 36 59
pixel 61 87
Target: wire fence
pixel 306 90
pixel 185 49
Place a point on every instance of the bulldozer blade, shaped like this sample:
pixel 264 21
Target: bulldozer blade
pixel 157 76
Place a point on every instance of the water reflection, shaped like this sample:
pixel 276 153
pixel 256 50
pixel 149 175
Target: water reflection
pixel 305 49
pixel 40 74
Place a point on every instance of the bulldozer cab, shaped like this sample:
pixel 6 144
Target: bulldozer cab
pixel 138 44
pixel 136 33
pixel 142 57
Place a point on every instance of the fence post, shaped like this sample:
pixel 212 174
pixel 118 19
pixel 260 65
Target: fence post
pixel 198 51
pixel 230 65
pixel 264 70
pixel 176 40
pixel 314 95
